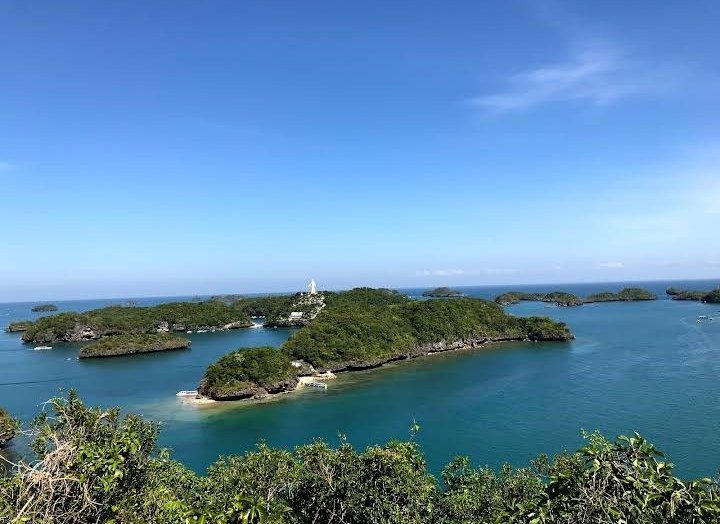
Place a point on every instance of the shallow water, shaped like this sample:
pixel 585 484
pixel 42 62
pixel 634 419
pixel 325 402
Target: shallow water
pixel 647 366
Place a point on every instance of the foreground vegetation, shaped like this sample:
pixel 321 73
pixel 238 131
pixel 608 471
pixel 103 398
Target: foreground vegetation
pixel 562 298
pixel 8 427
pixel 96 466
pixel 120 345
pixel 365 328
pixel 123 320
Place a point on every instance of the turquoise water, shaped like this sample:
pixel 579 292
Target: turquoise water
pixel 646 367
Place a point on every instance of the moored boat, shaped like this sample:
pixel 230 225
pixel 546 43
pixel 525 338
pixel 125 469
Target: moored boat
pixel 187 393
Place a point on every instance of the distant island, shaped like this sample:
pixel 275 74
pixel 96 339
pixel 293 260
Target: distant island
pixel 442 292
pixel 365 328
pixel 120 345
pixel 711 297
pixel 44 307
pixel 562 298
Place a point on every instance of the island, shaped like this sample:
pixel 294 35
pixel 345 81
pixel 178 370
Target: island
pixel 562 298
pixel 442 292
pixel 44 307
pixel 8 427
pixel 559 298
pixel 249 373
pixel 120 345
pixel 133 320
pixel 366 328
pixel 18 326
pixel 628 294
pixel 713 297
pixel 684 294
pixel 701 296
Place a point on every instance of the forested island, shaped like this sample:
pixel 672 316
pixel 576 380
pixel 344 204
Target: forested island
pixel 94 465
pixel 120 345
pixel 711 297
pixel 562 298
pixel 218 313
pixel 44 307
pixel 366 328
pixel 442 292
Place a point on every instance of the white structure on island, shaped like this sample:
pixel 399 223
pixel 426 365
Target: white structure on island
pixel 311 287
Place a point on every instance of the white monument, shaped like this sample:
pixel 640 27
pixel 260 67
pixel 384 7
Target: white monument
pixel 311 287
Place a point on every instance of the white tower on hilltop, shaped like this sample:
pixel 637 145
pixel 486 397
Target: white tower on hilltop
pixel 311 287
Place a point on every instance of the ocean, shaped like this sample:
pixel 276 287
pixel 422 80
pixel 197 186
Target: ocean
pixel 648 367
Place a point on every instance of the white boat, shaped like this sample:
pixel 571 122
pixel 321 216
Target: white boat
pixel 189 331
pixel 36 348
pixel 186 393
pixel 319 385
pixel 202 330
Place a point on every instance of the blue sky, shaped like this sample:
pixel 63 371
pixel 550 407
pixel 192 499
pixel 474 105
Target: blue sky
pixel 181 147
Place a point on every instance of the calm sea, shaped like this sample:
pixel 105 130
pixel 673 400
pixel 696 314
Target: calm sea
pixel 648 367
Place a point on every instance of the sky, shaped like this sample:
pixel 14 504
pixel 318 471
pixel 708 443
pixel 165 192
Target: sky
pixel 195 147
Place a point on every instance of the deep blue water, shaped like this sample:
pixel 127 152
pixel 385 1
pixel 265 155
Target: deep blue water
pixel 648 367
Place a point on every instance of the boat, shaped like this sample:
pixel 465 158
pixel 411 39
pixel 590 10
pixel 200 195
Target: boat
pixel 188 331
pixel 319 385
pixel 187 393
pixel 202 330
pixel 37 348
pixel 704 317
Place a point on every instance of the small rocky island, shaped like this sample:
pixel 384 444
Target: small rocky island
pixel 562 298
pixel 120 345
pixel 365 328
pixel 44 307
pixel 442 292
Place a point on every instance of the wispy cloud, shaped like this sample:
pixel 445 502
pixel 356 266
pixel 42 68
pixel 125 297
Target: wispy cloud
pixel 6 166
pixel 500 271
pixel 597 74
pixel 441 272
pixel 613 264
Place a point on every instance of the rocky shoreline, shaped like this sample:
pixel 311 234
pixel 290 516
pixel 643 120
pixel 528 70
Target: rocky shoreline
pixel 311 374
pixel 122 345
pixel 83 333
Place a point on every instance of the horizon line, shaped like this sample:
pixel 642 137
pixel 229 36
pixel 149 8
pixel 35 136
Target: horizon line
pixel 430 286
